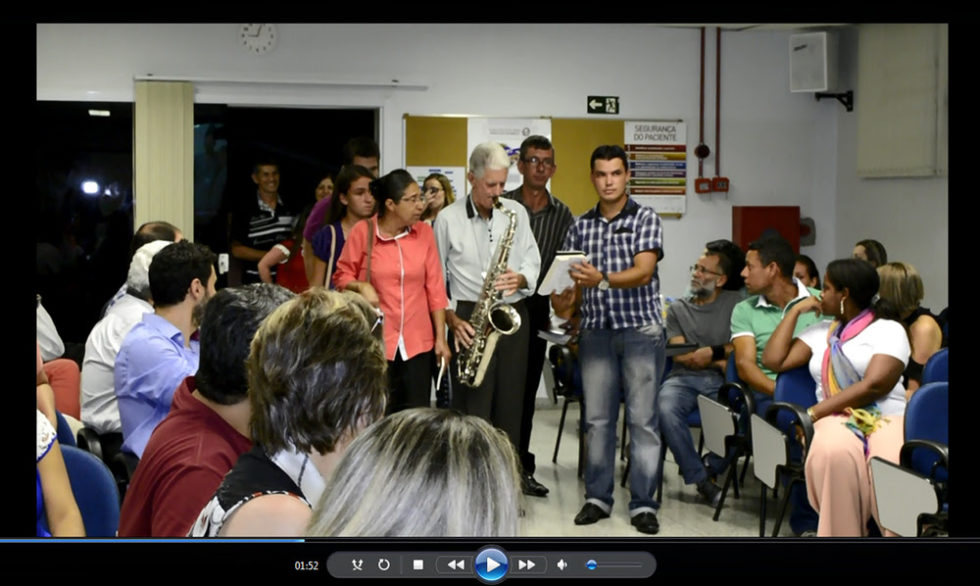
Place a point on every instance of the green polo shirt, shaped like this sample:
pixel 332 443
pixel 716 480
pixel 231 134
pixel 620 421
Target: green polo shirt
pixel 758 318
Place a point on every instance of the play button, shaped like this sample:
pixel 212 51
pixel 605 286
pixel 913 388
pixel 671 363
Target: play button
pixel 491 565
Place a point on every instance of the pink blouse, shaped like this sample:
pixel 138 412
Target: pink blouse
pixel 405 272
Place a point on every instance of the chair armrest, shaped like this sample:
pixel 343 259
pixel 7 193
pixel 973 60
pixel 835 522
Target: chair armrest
pixel 89 441
pixel 799 416
pixel 940 450
pixel 737 398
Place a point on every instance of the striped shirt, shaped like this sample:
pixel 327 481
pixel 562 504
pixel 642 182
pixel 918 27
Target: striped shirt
pixel 611 246
pixel 258 226
pixel 549 225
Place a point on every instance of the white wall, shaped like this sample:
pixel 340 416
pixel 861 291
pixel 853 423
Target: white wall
pixel 910 216
pixel 777 148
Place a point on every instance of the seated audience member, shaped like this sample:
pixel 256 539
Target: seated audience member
pixel 359 151
pixel 56 506
pixel 734 280
pixel 207 428
pixel 316 378
pixel 287 258
pixel 857 362
pixel 806 271
pixel 45 394
pixel 99 407
pixel 423 472
pixel 57 386
pixel 352 202
pixel 871 251
pixel 773 291
pixel 145 234
pixel 703 317
pixel 47 335
pixel 159 352
pixel 902 286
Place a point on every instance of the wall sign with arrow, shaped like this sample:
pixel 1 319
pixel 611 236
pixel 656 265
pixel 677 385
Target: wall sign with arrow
pixel 602 105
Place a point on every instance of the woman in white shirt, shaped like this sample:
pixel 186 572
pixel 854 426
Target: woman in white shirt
pixel 857 361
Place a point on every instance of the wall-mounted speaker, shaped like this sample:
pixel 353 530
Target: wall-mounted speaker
pixel 813 62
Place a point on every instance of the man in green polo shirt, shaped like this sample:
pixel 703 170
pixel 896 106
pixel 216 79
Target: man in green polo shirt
pixel 768 275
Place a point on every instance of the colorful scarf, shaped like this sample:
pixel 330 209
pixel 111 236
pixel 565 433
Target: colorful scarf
pixel 837 374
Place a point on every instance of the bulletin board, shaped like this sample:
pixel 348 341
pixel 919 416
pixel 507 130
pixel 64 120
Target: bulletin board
pixel 440 141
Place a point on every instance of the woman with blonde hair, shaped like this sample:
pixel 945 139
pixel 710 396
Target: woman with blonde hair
pixel 438 194
pixel 902 286
pixel 423 473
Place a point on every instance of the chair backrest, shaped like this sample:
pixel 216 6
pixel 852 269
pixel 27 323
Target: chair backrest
pixel 936 368
pixel 927 418
pixel 65 435
pixel 95 492
pixel 794 386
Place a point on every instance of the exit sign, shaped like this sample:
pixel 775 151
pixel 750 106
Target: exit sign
pixel 602 105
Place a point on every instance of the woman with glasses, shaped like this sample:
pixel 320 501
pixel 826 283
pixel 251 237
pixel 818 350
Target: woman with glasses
pixel 438 194
pixel 392 260
pixel 351 202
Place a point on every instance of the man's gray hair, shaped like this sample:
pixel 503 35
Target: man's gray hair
pixel 488 155
pixel 138 278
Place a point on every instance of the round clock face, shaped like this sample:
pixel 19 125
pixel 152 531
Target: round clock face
pixel 258 38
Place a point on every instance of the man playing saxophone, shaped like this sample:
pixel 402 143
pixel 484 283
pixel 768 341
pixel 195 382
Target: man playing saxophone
pixel 468 234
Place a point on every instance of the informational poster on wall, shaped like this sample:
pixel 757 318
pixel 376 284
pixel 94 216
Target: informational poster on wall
pixel 456 176
pixel 657 150
pixel 510 133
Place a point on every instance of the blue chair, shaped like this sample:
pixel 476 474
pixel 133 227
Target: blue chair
pixel 65 436
pixel 777 453
pixel 914 493
pixel 95 492
pixel 936 368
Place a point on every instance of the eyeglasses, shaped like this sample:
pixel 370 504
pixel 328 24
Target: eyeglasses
pixel 704 271
pixel 432 190
pixel 415 199
pixel 534 161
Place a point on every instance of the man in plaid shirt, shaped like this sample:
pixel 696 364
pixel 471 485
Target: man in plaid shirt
pixel 621 348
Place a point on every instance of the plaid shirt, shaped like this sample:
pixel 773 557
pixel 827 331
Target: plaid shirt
pixel 611 246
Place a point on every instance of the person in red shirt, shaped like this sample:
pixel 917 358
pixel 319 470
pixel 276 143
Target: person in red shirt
pixel 207 428
pixel 405 282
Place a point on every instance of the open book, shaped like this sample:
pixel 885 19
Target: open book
pixel 558 279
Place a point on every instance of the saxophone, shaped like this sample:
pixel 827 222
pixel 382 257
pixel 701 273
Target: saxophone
pixel 491 317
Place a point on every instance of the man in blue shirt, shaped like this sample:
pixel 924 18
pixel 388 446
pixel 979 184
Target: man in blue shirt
pixel 621 348
pixel 159 352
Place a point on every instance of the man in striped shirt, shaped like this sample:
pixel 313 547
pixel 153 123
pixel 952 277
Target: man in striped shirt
pixel 259 224
pixel 621 347
pixel 550 221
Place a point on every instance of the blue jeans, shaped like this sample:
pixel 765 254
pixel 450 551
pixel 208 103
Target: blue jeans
pixel 631 359
pixel 677 399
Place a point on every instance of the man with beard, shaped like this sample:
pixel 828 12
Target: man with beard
pixel 161 350
pixel 703 317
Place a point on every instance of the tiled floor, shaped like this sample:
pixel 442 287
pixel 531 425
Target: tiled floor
pixel 682 513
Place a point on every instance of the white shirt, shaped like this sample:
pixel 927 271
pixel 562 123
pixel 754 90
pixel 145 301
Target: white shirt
pixel 883 336
pixel 100 410
pixel 47 335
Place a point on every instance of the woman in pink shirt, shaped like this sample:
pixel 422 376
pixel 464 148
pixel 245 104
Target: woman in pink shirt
pixel 405 282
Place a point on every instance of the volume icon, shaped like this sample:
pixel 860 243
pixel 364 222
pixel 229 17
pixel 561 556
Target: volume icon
pixel 561 564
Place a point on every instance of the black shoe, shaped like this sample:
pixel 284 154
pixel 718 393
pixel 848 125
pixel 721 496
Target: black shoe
pixel 646 522
pixel 710 491
pixel 712 473
pixel 532 487
pixel 589 514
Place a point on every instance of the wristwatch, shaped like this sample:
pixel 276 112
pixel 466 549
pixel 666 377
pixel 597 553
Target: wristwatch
pixel 604 283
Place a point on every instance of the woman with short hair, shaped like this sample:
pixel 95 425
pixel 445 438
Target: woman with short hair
pixel 316 373
pixel 902 286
